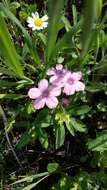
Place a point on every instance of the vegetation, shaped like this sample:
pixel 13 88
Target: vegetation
pixel 53 110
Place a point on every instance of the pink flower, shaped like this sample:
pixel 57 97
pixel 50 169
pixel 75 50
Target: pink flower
pixel 58 75
pixel 73 83
pixel 44 94
pixel 66 101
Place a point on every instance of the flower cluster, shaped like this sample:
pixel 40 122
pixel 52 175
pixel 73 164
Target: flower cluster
pixel 61 80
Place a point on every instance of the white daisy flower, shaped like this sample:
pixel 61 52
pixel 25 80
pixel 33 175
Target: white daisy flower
pixel 37 23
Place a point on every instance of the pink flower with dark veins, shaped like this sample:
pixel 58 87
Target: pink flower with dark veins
pixel 73 83
pixel 44 94
pixel 58 75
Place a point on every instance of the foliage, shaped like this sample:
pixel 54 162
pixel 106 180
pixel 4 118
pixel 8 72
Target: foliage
pixel 66 146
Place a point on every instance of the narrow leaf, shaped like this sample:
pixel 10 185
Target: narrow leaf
pixel 31 47
pixel 60 136
pixel 55 8
pixel 12 96
pixel 8 50
pixel 52 167
pixel 98 144
pixel 90 15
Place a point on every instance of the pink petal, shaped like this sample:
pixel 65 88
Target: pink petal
pixel 51 71
pixel 39 103
pixel 76 75
pixel 55 91
pixel 79 86
pixel 59 82
pixel 51 102
pixel 66 101
pixel 67 75
pixel 43 85
pixel 53 78
pixel 69 89
pixel 59 66
pixel 34 93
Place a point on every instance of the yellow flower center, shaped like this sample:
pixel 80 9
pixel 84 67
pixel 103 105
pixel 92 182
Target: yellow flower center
pixel 38 22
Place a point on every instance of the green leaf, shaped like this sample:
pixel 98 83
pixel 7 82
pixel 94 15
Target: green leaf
pixel 74 12
pixel 55 8
pixel 60 60
pixel 30 108
pixel 66 23
pixel 83 110
pixel 66 40
pixel 24 82
pixel 29 187
pixel 31 47
pixel 7 84
pixel 44 119
pixel 100 70
pixel 100 143
pixel 8 50
pixel 96 87
pixel 31 178
pixel 12 96
pixel 77 125
pixel 14 5
pixel 42 37
pixel 70 128
pixel 7 71
pixel 43 138
pixel 100 4
pixel 52 167
pixel 27 137
pixel 60 135
pixel 91 13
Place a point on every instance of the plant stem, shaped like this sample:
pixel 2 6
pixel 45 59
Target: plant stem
pixel 7 136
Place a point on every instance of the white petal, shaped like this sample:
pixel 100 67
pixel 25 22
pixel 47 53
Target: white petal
pixel 45 17
pixel 38 27
pixel 44 25
pixel 30 19
pixel 34 27
pixel 31 25
pixel 36 15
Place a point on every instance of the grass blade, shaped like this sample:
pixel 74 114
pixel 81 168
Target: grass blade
pixel 55 8
pixel 8 50
pixel 31 47
pixel 90 15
